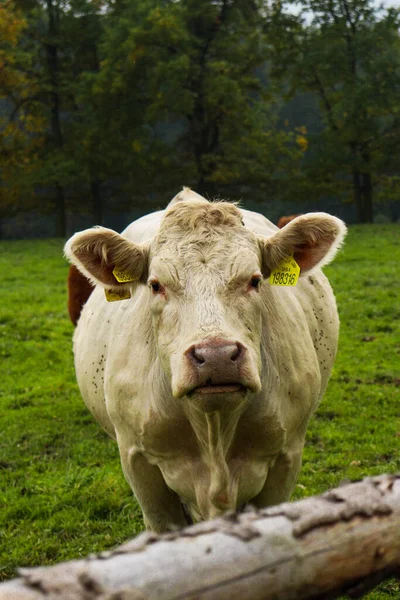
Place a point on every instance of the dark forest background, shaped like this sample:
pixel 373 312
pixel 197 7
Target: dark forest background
pixel 108 107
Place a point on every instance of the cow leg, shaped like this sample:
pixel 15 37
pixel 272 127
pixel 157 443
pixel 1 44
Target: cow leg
pixel 281 479
pixel 161 507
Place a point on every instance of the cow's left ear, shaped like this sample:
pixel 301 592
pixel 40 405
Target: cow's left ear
pixel 106 258
pixel 312 239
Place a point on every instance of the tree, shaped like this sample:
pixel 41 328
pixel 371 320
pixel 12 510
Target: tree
pixel 45 54
pixel 349 56
pixel 82 34
pixel 21 117
pixel 68 34
pixel 137 98
pixel 191 78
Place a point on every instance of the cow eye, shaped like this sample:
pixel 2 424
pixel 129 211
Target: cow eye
pixel 255 282
pixel 155 286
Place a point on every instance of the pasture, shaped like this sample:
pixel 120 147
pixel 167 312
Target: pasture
pixel 62 492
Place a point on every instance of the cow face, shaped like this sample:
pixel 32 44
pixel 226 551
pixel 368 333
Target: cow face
pixel 205 281
pixel 206 275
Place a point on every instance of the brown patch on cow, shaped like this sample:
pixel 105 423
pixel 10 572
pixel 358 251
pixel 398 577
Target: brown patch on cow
pixel 285 220
pixel 79 290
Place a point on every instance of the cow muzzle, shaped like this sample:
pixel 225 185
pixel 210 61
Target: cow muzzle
pixel 218 371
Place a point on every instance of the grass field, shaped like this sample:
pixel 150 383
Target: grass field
pixel 62 492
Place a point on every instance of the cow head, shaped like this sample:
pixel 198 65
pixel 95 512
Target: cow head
pixel 207 278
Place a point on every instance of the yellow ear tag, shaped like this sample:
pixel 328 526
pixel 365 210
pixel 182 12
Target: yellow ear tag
pixel 122 276
pixel 116 295
pixel 287 274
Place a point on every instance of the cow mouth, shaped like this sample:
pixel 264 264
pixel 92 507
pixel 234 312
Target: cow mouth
pixel 218 388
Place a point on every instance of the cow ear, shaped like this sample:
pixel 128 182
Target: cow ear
pixel 312 239
pixel 97 252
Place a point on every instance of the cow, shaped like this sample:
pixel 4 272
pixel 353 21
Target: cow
pixel 282 221
pixel 79 290
pixel 204 371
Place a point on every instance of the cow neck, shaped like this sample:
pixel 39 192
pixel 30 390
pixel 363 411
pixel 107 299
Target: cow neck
pixel 215 434
pixel 214 431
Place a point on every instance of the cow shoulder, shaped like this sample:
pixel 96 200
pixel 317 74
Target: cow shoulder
pixel 257 223
pixel 144 229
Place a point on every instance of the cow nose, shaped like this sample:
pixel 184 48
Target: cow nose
pixel 215 355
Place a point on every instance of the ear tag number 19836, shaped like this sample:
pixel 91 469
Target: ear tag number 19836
pixel 287 274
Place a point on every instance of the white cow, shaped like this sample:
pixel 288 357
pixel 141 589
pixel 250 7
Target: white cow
pixel 208 374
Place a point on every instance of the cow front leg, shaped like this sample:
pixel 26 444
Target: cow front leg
pixel 281 479
pixel 161 507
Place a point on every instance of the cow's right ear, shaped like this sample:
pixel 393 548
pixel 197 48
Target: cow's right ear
pixel 312 239
pixel 99 252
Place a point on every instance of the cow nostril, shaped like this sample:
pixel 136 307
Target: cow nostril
pixel 237 353
pixel 196 356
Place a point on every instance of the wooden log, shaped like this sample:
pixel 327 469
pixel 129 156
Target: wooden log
pixel 345 541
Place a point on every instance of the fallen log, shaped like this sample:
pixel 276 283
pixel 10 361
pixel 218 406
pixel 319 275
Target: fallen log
pixel 345 541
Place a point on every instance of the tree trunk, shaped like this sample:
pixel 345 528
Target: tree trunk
pixel 205 187
pixel 362 189
pixel 357 196
pixel 55 122
pixel 346 540
pixel 368 214
pixel 362 192
pixel 366 209
pixel 95 188
pixel 95 183
pixel 205 134
pixel 60 212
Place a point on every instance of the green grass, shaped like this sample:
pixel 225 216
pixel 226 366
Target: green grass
pixel 62 491
pixel 356 430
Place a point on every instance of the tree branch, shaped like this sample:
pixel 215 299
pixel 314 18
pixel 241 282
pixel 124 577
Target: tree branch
pixel 317 81
pixel 22 102
pixel 346 540
pixel 347 12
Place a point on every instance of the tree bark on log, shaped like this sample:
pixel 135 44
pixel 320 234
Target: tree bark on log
pixel 345 541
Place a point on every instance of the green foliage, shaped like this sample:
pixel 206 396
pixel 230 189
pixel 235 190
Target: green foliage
pixel 193 64
pixel 149 95
pixel 39 149
pixel 349 57
pixel 21 120
pixel 62 492
pixel 135 99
